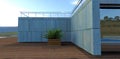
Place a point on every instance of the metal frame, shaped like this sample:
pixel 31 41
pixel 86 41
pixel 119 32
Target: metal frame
pixel 109 6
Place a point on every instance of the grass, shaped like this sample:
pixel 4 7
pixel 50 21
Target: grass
pixel 8 34
pixel 110 28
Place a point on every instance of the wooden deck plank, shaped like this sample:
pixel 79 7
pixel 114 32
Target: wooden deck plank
pixel 11 49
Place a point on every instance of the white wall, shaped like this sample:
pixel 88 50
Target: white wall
pixel 85 27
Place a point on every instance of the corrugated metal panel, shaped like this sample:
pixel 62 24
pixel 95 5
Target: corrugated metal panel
pixel 32 29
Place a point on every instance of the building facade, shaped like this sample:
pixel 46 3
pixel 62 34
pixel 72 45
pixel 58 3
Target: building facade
pixel 82 28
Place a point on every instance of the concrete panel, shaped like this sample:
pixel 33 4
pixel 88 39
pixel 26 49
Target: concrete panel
pixel 22 36
pixel 85 24
pixel 32 29
pixel 36 37
pixel 23 24
pixel 97 41
pixel 66 37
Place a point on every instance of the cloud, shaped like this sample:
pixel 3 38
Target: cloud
pixel 75 2
pixel 9 14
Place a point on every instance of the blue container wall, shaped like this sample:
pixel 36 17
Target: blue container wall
pixel 85 27
pixel 32 29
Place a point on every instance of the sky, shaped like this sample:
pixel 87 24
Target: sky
pixel 10 9
pixel 109 12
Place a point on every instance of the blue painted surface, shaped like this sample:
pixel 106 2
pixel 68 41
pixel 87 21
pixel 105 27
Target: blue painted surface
pixel 32 29
pixel 23 24
pixel 8 29
pixel 110 1
pixel 109 40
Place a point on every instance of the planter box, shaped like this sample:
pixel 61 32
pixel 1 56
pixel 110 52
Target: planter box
pixel 54 42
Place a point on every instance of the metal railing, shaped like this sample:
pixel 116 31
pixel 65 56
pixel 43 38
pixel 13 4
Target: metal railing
pixel 78 3
pixel 45 14
pixel 51 14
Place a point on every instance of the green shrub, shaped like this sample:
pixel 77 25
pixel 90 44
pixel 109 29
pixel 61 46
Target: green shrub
pixel 53 34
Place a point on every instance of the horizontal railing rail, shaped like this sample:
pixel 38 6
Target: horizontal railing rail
pixel 51 14
pixel 45 14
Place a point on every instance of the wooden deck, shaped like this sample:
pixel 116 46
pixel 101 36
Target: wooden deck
pixel 11 49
